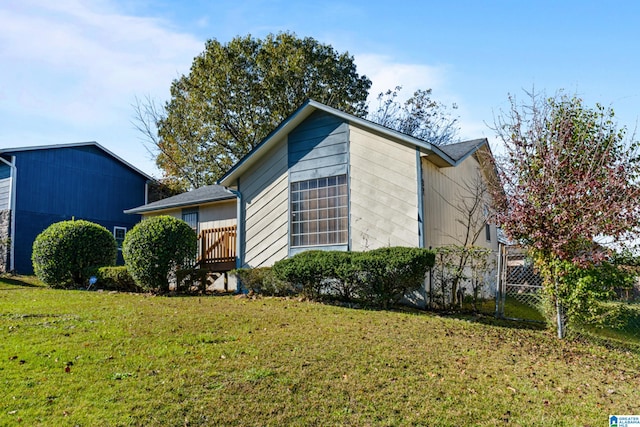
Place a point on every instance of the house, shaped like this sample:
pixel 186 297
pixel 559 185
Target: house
pixel 46 184
pixel 325 179
pixel 211 211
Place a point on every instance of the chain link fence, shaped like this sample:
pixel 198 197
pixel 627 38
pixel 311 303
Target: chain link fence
pixel 519 287
pixel 506 285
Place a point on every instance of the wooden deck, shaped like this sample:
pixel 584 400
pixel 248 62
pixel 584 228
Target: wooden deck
pixel 217 249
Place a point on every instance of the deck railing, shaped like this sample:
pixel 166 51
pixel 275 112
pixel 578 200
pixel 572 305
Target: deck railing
pixel 217 246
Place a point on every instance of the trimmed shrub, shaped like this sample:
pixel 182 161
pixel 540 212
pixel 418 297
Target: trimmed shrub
pixel 64 251
pixel 387 274
pixel 156 248
pixel 308 270
pixel 115 279
pixel 262 280
pixel 379 277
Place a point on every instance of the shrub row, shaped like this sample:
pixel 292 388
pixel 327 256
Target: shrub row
pixel 67 253
pixel 262 280
pixel 379 277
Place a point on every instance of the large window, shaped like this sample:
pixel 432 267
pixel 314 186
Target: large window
pixel 319 212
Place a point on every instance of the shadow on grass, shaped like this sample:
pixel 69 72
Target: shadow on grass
pixel 18 282
pixel 491 320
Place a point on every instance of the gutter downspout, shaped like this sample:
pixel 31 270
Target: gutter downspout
pixel 12 209
pixel 421 239
pixel 239 229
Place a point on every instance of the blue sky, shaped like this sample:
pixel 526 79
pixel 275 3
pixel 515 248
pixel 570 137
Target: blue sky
pixel 70 70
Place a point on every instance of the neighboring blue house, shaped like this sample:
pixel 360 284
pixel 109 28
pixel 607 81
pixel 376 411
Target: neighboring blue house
pixel 43 185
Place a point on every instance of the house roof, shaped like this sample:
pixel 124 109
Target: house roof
pixel 74 145
pixel 443 157
pixel 206 194
pixel 461 150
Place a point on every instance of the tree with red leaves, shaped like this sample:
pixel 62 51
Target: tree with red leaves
pixel 570 188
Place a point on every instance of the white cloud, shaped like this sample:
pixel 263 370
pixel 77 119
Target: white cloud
pixel 385 73
pixel 78 65
pixel 67 54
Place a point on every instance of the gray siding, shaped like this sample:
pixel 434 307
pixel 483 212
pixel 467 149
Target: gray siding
pixel 5 193
pixel 318 148
pixel 265 196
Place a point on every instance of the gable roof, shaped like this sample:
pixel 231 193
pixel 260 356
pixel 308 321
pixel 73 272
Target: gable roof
pixel 461 150
pixel 451 156
pixel 75 145
pixel 206 194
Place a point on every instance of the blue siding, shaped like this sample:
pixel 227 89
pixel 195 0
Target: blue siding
pixel 5 170
pixel 72 182
pixel 318 148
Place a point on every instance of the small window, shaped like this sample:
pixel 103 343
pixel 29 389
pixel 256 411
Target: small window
pixel 487 232
pixel 190 216
pixel 319 212
pixel 118 233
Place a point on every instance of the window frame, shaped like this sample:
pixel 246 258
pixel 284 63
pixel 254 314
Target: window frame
pixel 119 242
pixel 319 212
pixel 192 211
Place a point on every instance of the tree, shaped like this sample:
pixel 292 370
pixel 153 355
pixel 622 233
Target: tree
pixel 570 179
pixel 419 116
pixel 236 93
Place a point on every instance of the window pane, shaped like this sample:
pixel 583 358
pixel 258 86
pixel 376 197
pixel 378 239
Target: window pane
pixel 319 212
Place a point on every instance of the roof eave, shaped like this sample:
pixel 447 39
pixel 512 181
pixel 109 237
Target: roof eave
pixel 305 111
pixel 78 144
pixel 144 209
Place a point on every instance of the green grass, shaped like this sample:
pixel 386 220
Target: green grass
pixel 623 324
pixel 143 360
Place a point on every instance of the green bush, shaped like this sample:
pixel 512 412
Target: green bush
pixel 379 277
pixel 263 281
pixel 387 274
pixel 63 253
pixel 583 290
pixel 308 270
pixel 115 279
pixel 156 248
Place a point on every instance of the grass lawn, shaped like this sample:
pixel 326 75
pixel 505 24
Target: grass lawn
pixel 91 358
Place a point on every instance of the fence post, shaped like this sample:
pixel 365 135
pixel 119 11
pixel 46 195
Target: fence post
pixel 498 277
pixel 560 316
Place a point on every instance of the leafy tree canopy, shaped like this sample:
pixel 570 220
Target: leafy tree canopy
pixel 570 177
pixel 236 93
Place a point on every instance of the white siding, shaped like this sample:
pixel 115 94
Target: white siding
pixel 212 215
pixel 265 199
pixel 446 190
pixel 383 192
pixel 221 214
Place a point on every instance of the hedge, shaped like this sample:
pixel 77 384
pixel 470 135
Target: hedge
pixel 379 277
